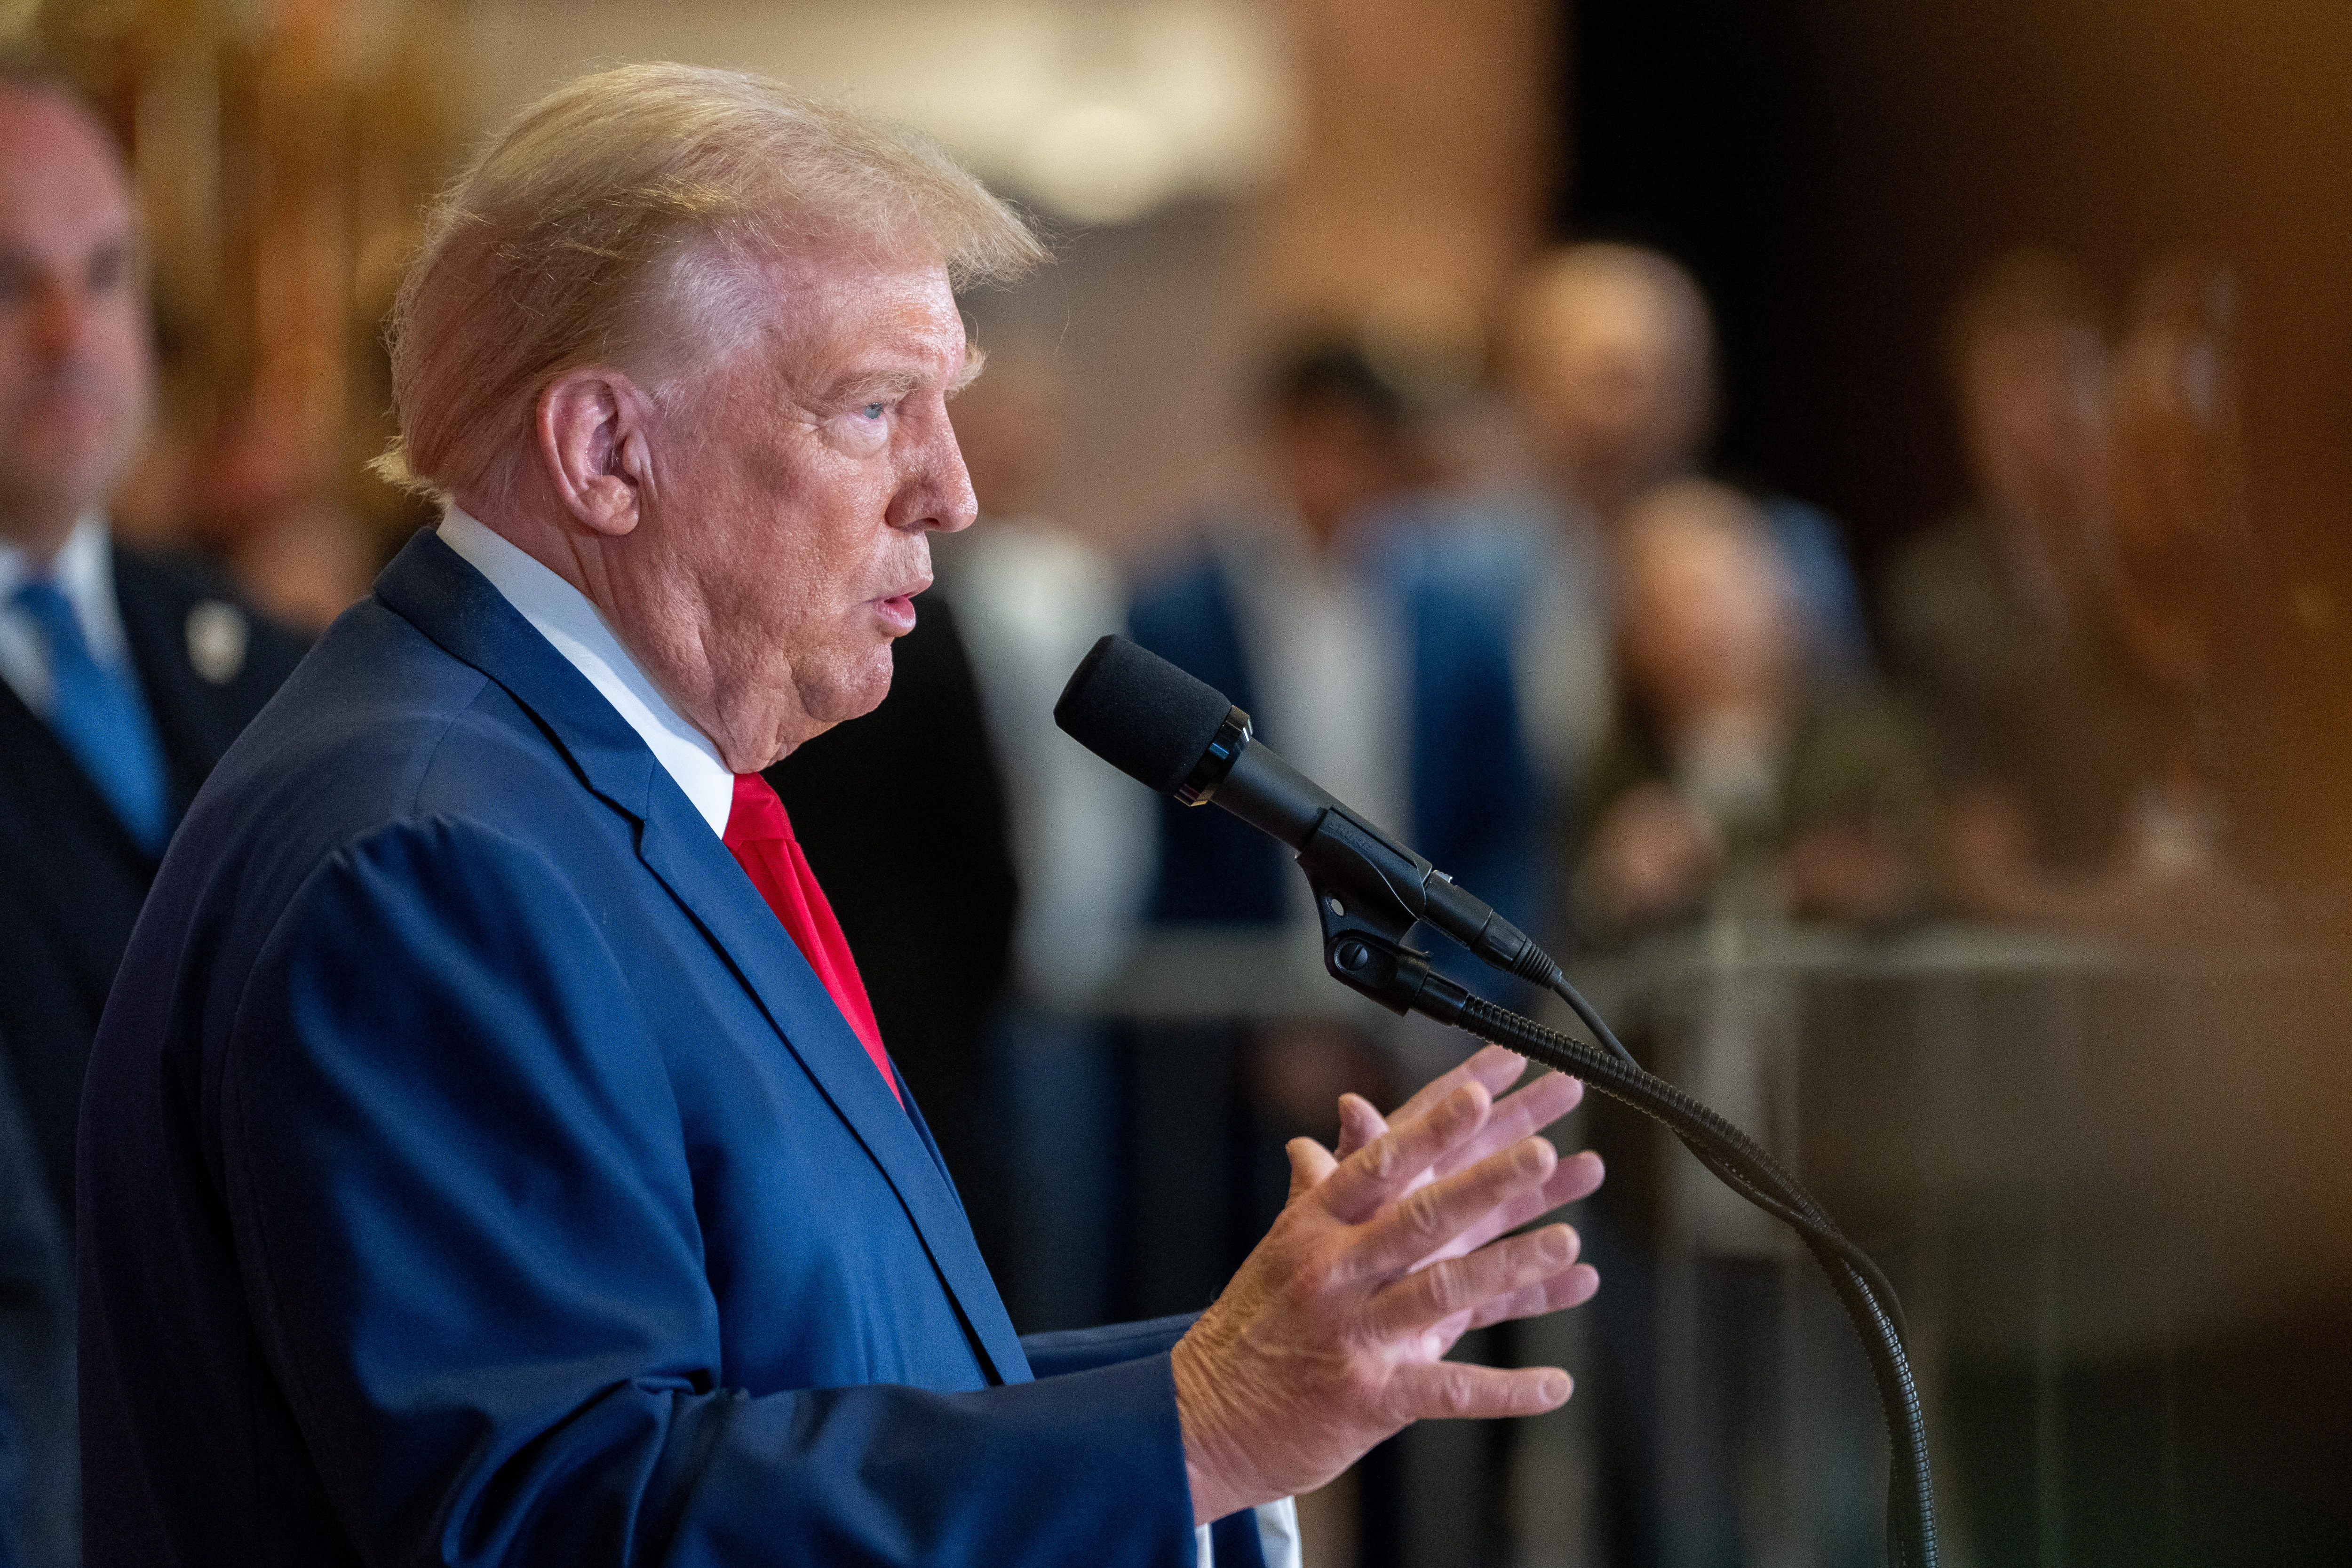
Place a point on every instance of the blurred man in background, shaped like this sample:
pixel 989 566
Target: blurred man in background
pixel 123 677
pixel 1330 605
pixel 1732 774
pixel 1031 595
pixel 2056 624
pixel 1611 359
pixel 1317 608
pixel 1739 791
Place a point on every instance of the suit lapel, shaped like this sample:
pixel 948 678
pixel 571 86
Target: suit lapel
pixel 678 847
pixel 154 623
pixel 435 589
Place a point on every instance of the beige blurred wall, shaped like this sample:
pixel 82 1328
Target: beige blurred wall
pixel 1426 158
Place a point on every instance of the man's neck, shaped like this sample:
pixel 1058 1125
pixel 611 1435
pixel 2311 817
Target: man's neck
pixel 37 534
pixel 537 525
pixel 44 555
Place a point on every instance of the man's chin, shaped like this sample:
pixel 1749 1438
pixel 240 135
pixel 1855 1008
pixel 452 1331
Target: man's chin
pixel 855 693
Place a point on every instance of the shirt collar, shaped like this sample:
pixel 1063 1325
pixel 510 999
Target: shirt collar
pixel 578 631
pixel 84 573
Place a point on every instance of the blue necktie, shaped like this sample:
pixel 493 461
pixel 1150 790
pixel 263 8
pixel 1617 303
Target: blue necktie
pixel 98 714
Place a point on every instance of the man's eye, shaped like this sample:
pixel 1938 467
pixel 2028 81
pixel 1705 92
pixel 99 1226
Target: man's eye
pixel 874 410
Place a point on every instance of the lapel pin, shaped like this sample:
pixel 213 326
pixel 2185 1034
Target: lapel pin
pixel 218 634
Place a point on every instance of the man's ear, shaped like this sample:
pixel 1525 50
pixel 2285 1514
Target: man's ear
pixel 594 444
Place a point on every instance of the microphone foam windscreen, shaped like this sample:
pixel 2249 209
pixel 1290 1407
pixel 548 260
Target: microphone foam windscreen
pixel 1140 713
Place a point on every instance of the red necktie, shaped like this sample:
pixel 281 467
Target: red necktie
pixel 760 836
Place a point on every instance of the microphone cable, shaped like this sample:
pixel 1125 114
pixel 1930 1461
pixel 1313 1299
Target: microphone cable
pixel 1747 1169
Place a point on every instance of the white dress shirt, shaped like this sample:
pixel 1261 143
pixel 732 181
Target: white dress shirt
pixel 566 618
pixel 84 574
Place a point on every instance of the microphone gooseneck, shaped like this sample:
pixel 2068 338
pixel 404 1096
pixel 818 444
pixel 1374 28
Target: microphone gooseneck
pixel 1180 736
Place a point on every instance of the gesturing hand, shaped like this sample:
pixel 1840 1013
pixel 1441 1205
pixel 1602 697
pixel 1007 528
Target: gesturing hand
pixel 1332 1335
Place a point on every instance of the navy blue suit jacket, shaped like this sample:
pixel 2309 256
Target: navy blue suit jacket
pixel 472 1171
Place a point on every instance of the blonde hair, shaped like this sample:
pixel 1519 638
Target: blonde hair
pixel 630 205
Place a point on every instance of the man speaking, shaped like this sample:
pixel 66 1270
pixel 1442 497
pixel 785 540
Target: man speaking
pixel 488 1154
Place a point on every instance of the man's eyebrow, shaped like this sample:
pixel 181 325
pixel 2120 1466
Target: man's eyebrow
pixel 859 387
pixel 864 385
pixel 975 360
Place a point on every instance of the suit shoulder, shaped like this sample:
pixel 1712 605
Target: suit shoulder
pixel 381 722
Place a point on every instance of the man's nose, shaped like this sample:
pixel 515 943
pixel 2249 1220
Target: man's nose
pixel 60 318
pixel 939 493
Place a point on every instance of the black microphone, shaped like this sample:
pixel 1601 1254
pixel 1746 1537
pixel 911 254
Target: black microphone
pixel 1175 734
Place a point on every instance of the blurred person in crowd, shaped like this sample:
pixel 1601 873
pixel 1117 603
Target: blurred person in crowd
pixel 2176 563
pixel 1031 595
pixel 982 859
pixel 259 497
pixel 1330 606
pixel 1734 773
pixel 123 674
pixel 1321 610
pixel 1739 790
pixel 1610 357
pixel 2055 626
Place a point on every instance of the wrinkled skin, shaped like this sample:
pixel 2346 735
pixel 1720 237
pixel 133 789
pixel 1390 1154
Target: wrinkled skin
pixel 1332 1335
pixel 754 528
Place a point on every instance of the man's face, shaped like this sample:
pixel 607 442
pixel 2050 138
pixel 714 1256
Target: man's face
pixel 73 368
pixel 791 489
pixel 1609 374
pixel 1333 462
pixel 2032 403
pixel 1707 618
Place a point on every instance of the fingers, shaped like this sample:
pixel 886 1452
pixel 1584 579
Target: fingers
pixel 1579 1176
pixel 1377 1174
pixel 1468 1284
pixel 1576 1177
pixel 1359 1123
pixel 1550 1096
pixel 1491 1065
pixel 1442 1388
pixel 1429 1217
pixel 1570 1288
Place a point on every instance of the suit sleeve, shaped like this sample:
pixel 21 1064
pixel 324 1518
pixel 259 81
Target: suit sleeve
pixel 1082 1350
pixel 465 1216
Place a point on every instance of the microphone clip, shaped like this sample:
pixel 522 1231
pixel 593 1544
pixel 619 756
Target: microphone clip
pixel 1366 918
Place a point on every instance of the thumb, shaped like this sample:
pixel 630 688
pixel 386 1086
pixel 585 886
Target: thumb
pixel 1309 1163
